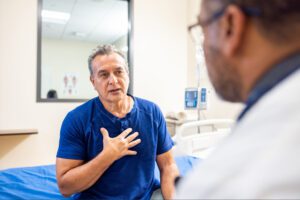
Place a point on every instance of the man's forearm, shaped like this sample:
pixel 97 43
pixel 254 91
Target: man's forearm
pixel 84 176
pixel 167 178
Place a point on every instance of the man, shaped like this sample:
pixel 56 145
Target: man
pixel 252 51
pixel 108 145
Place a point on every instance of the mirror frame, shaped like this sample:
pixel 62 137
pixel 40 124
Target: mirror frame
pixel 39 99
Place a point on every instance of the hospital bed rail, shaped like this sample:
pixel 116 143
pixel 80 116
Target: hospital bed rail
pixel 200 144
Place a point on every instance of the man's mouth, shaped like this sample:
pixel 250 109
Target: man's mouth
pixel 114 90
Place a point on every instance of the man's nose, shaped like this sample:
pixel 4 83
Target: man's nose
pixel 112 79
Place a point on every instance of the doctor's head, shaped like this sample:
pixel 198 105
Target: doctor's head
pixel 109 73
pixel 244 38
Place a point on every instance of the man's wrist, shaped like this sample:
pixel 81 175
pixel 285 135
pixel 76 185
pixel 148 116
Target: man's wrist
pixel 108 155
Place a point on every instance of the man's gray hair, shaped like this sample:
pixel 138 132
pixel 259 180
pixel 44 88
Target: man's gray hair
pixel 105 49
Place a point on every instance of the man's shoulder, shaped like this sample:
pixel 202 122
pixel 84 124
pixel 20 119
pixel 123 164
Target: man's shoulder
pixel 144 104
pixel 84 109
pixel 149 109
pixel 144 101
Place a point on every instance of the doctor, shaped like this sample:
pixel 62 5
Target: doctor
pixel 252 52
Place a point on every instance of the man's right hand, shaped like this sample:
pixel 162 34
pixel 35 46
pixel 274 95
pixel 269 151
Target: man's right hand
pixel 119 146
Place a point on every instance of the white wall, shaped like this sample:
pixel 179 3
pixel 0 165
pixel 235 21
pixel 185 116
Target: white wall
pixel 160 52
pixel 18 107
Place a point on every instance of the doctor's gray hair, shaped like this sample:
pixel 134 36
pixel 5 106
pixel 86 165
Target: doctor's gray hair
pixel 106 49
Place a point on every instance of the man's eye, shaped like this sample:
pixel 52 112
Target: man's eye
pixel 103 75
pixel 119 72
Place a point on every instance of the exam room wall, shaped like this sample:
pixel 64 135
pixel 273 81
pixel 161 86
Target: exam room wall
pixel 18 107
pixel 160 57
pixel 159 50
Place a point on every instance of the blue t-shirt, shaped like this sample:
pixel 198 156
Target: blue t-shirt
pixel 130 177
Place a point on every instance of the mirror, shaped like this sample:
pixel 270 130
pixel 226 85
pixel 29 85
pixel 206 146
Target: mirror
pixel 68 31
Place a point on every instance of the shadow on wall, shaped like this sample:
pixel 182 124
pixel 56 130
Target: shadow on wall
pixel 8 143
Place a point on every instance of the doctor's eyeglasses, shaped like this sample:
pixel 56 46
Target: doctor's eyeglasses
pixel 195 30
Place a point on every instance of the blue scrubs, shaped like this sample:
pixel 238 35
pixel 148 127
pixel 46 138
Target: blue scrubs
pixel 131 177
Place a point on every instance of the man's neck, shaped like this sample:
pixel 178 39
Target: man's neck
pixel 120 108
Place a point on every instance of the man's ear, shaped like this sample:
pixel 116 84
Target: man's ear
pixel 92 80
pixel 233 28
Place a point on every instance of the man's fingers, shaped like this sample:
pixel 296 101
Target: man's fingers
pixel 125 133
pixel 132 137
pixel 104 132
pixel 134 143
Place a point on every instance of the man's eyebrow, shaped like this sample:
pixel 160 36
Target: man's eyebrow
pixel 104 71
pixel 101 71
pixel 119 68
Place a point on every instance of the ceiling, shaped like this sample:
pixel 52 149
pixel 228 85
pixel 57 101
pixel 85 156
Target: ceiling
pixel 101 21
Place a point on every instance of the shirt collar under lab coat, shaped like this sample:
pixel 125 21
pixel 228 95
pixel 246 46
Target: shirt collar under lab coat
pixel 272 78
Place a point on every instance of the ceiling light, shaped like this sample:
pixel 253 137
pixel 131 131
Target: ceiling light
pixel 55 17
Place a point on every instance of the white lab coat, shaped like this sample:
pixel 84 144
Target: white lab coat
pixel 261 157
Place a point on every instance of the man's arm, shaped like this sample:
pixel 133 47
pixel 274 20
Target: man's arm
pixel 75 176
pixel 168 173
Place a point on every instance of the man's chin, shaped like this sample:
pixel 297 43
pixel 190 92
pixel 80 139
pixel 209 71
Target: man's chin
pixel 116 96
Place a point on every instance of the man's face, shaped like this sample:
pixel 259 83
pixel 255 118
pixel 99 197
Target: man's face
pixel 222 74
pixel 110 77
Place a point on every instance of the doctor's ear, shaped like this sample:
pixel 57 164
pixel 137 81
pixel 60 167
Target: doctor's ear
pixel 232 29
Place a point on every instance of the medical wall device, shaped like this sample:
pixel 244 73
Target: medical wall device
pixel 191 98
pixel 196 98
pixel 203 99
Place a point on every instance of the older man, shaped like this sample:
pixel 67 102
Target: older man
pixel 109 145
pixel 252 51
